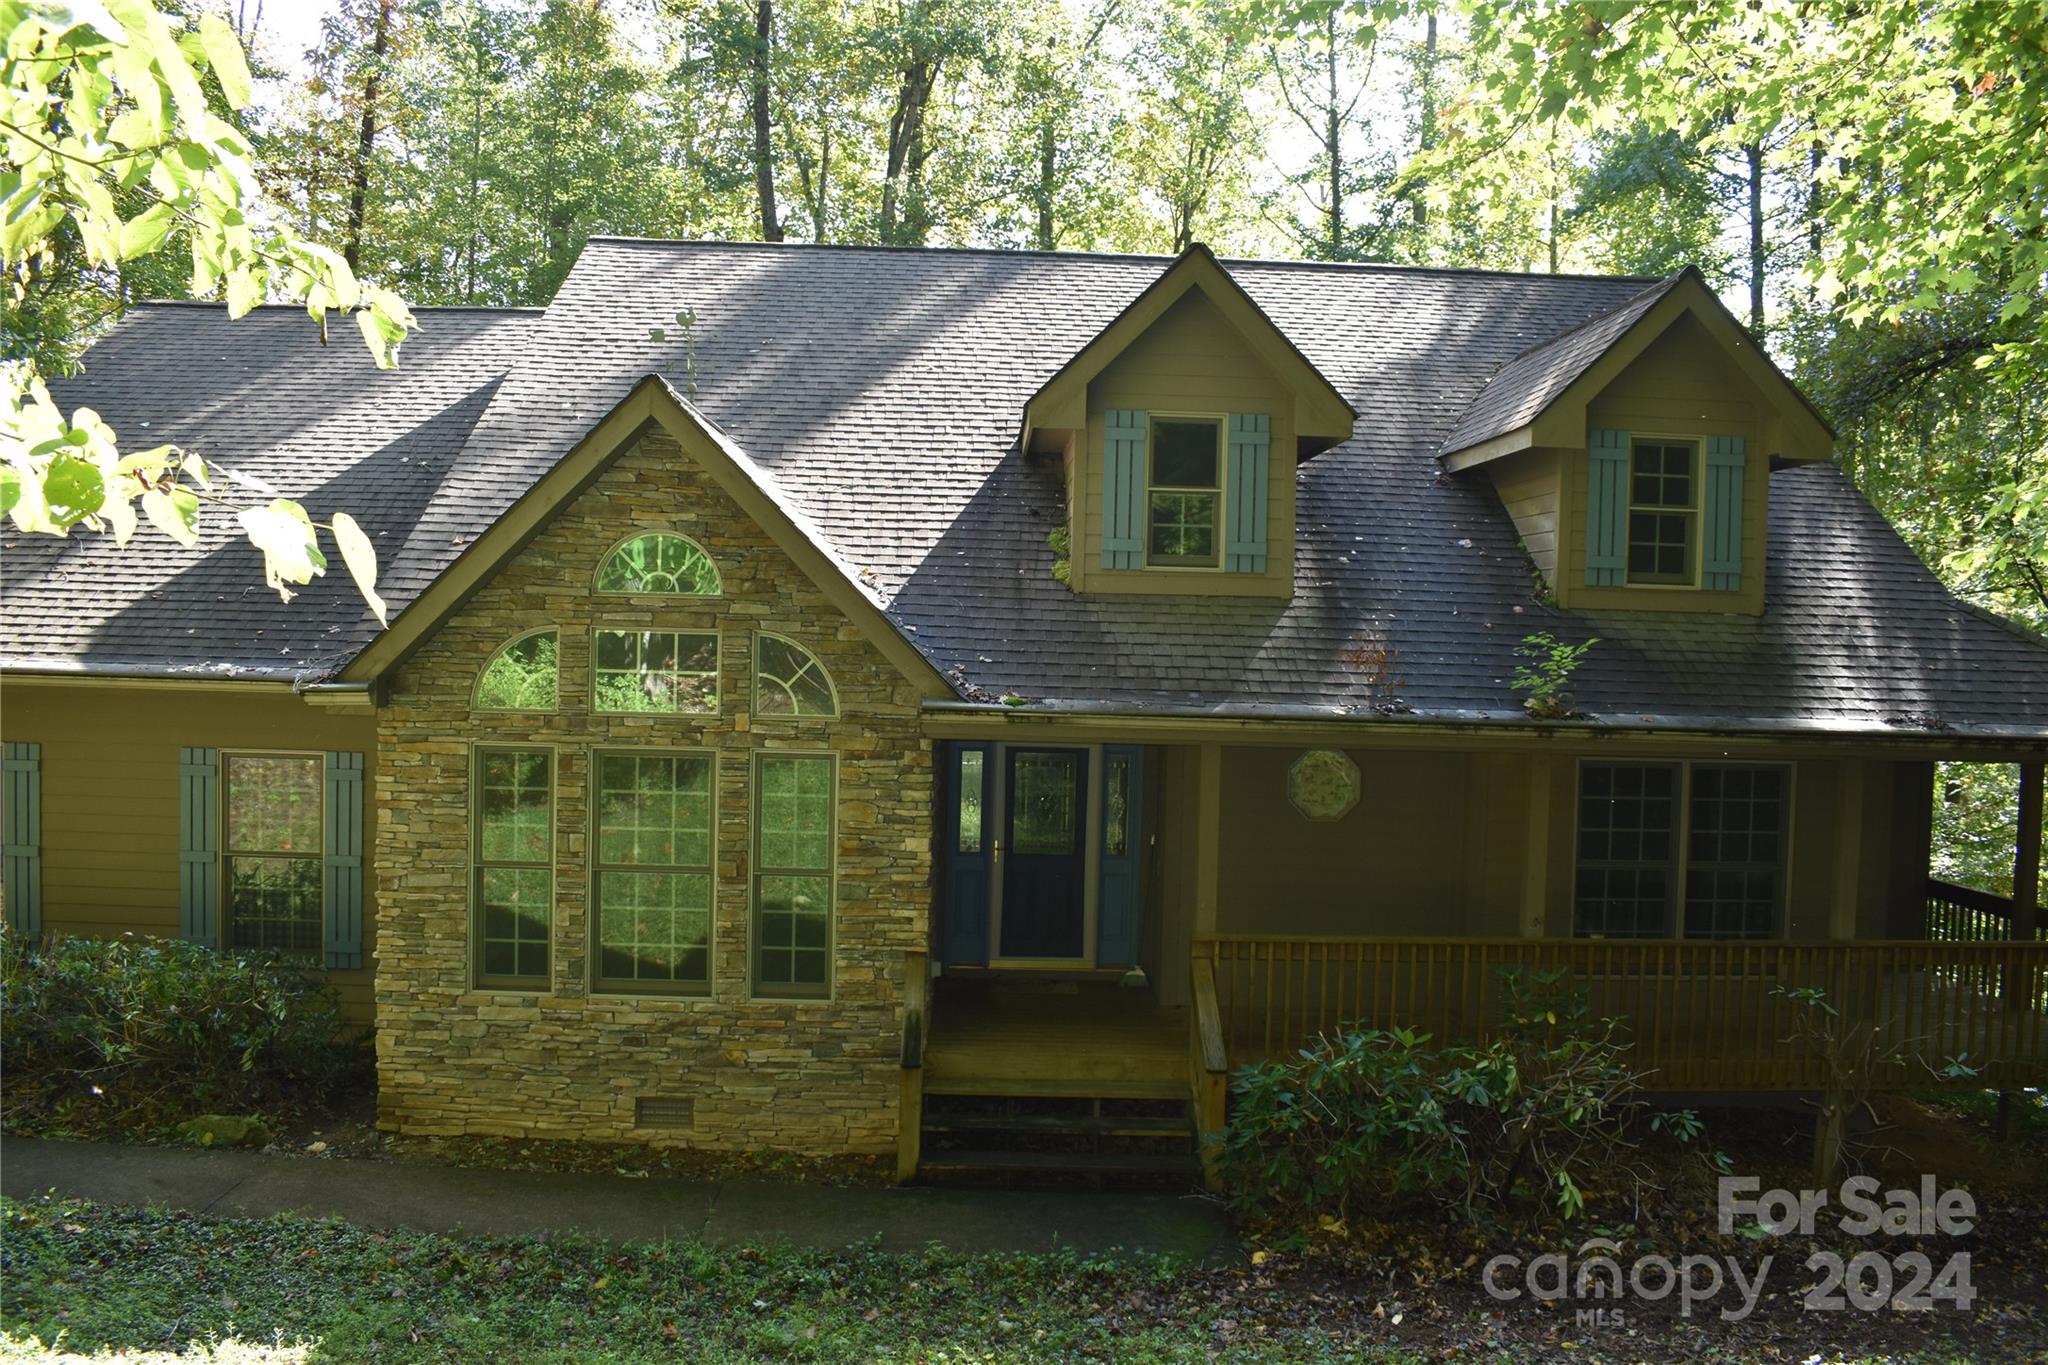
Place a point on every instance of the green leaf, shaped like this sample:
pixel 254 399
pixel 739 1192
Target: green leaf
pixel 283 532
pixel 73 488
pixel 10 488
pixel 361 557
pixel 224 55
pixel 145 232
pixel 174 512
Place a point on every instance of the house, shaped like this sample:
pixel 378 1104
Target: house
pixel 823 680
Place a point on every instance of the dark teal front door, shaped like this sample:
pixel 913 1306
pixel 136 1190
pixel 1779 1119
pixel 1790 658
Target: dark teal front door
pixel 1044 853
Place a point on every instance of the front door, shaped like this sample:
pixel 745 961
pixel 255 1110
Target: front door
pixel 1044 910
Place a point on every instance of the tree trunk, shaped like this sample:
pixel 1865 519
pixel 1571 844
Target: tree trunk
pixel 764 147
pixel 1428 120
pixel 1333 137
pixel 366 140
pixel 906 137
pixel 1048 165
pixel 1754 153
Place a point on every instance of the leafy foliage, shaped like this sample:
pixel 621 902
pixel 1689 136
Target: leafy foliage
pixel 1545 680
pixel 105 1035
pixel 114 146
pixel 1367 1119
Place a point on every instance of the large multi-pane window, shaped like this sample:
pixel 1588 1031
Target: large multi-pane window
pixel 657 670
pixel 654 871
pixel 273 852
pixel 793 836
pixel 1663 511
pixel 1184 492
pixel 1669 846
pixel 514 865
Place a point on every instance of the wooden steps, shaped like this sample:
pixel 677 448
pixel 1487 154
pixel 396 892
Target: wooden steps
pixel 1176 1166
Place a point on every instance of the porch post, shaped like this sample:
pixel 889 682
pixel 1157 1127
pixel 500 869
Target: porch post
pixel 1849 851
pixel 1536 860
pixel 1208 835
pixel 2026 856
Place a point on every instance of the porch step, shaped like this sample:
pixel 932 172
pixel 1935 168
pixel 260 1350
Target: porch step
pixel 1114 1126
pixel 1175 1165
pixel 942 1081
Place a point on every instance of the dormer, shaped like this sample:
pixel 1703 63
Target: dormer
pixel 1634 453
pixel 1180 428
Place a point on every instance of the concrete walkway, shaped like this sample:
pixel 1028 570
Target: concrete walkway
pixel 431 1198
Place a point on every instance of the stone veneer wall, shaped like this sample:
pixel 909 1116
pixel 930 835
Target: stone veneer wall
pixel 814 1075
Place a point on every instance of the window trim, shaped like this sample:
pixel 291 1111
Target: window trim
pixel 1697 512
pixel 225 853
pixel 630 595
pixel 824 671
pixel 476 690
pixel 756 990
pixel 717 633
pixel 1222 421
pixel 480 979
pixel 1681 863
pixel 594 916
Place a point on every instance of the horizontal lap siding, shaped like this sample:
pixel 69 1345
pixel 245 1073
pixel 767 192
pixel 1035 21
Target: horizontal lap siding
pixel 110 794
pixel 1528 487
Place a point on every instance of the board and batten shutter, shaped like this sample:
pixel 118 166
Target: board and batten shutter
pixel 1251 447
pixel 1606 508
pixel 1123 489
pixel 1721 550
pixel 341 905
pixel 199 846
pixel 23 793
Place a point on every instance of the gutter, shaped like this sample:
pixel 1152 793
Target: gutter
pixel 1488 724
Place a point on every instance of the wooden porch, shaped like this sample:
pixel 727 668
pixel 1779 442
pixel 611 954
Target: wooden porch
pixel 1053 1038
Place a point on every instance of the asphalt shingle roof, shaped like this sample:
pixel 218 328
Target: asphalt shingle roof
pixel 262 396
pixel 882 391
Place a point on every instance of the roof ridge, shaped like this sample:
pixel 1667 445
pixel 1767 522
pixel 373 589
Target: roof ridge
pixel 1663 283
pixel 301 308
pixel 1292 263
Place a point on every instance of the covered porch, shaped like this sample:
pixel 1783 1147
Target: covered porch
pixel 1141 920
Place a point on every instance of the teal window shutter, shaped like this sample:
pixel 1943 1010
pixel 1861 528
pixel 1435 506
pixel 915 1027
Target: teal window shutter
pixel 1251 447
pixel 23 792
pixel 1606 508
pixel 1721 566
pixel 1123 489
pixel 199 846
pixel 341 907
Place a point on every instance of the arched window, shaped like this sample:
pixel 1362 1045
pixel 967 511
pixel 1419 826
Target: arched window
pixel 789 680
pixel 524 675
pixel 662 564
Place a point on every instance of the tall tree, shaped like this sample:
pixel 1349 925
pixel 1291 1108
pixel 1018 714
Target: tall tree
pixel 1191 137
pixel 764 126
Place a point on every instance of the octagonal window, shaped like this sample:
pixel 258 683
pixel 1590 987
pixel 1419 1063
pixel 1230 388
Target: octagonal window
pixel 1323 784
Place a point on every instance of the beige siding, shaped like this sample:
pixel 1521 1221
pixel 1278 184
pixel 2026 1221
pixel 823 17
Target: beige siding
pixel 110 794
pixel 1528 485
pixel 1191 360
pixel 1683 384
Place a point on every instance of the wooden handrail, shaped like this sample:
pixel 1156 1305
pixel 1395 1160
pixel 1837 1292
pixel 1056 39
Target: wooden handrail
pixel 1697 1014
pixel 910 1086
pixel 1208 1063
pixel 1969 898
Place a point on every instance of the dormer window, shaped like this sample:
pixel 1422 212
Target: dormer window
pixel 1184 492
pixel 1663 512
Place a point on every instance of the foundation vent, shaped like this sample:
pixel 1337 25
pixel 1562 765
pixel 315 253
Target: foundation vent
pixel 663 1112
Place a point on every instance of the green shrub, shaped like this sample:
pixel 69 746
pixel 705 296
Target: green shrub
pixel 99 1035
pixel 1367 1118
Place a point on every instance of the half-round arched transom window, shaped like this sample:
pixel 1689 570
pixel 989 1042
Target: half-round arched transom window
pixel 662 564
pixel 789 680
pixel 524 675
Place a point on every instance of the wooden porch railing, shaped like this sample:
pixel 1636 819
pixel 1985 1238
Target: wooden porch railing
pixel 1963 914
pixel 1699 1016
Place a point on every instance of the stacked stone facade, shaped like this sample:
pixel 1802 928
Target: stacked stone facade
pixel 815 1075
